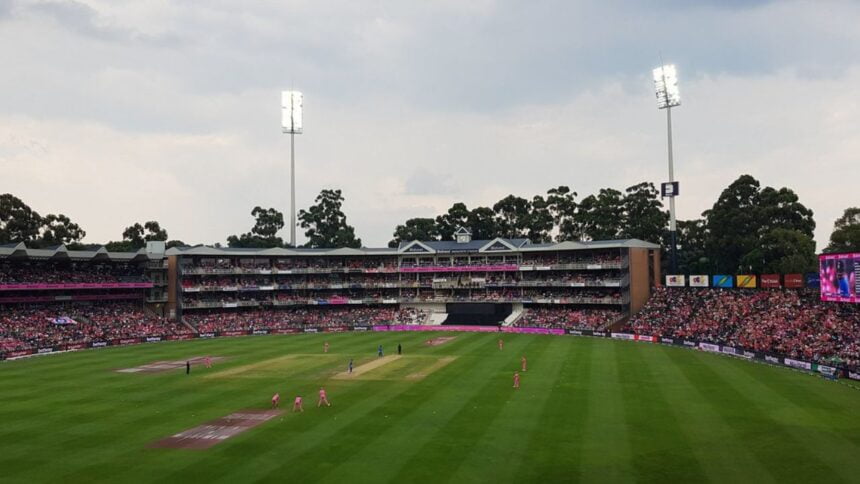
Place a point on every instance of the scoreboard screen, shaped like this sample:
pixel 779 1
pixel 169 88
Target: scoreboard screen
pixel 840 277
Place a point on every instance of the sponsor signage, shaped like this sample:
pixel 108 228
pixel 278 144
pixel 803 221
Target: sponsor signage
pixel 669 189
pixel 206 335
pixel 747 281
pixel 260 331
pixel 311 330
pixel 76 346
pixel 574 331
pixel 153 339
pixel 177 337
pixel 709 347
pixel 853 376
pixel 336 329
pixel 361 328
pixel 722 280
pixel 675 281
pixel 98 344
pixel 232 333
pixel 483 268
pixel 623 336
pixel 728 350
pixel 770 281
pixel 813 280
pixel 286 331
pixel 42 351
pixel 826 370
pixel 19 353
pixel 668 341
pixel 127 341
pixel 797 364
pixel 793 280
pixel 771 359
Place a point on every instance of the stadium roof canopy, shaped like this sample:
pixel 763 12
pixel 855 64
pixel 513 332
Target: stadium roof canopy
pixel 418 248
pixel 21 252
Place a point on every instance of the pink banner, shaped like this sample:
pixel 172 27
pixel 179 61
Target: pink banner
pixel 508 329
pixel 494 268
pixel 42 287
pixel 418 327
pixel 76 297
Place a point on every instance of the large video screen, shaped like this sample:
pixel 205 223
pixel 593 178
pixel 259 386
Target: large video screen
pixel 840 277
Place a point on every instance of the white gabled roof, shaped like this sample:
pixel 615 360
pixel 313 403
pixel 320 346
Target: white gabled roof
pixel 427 248
pixel 497 240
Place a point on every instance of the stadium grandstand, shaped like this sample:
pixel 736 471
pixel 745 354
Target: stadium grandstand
pixel 57 299
pixel 501 282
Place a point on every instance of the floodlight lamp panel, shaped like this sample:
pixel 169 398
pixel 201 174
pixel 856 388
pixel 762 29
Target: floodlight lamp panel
pixel 666 86
pixel 291 112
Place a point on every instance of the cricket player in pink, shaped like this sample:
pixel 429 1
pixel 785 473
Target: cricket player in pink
pixel 501 344
pixel 516 380
pixel 208 362
pixel 276 400
pixel 524 362
pixel 325 347
pixel 297 405
pixel 323 398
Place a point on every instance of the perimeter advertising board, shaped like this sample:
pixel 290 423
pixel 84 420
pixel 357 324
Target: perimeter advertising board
pixel 699 281
pixel 675 281
pixel 722 280
pixel 747 281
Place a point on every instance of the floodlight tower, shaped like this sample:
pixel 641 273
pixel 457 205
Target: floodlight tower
pixel 668 97
pixel 291 122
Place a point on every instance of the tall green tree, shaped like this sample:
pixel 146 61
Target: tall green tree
pixel 59 230
pixel 135 237
pixel 325 223
pixel 540 220
pixel 482 222
pixel 456 217
pixel 562 205
pixel 846 232
pixel 512 216
pixel 18 222
pixel 745 215
pixel 644 217
pixel 693 257
pixel 601 217
pixel 781 251
pixel 263 235
pixel 415 229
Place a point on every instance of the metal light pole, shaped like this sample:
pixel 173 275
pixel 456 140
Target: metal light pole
pixel 291 122
pixel 668 96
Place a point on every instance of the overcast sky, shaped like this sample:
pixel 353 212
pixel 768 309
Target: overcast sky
pixel 115 112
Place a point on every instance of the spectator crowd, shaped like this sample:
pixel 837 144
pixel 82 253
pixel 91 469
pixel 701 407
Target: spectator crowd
pixel 34 327
pixel 73 273
pixel 567 318
pixel 793 323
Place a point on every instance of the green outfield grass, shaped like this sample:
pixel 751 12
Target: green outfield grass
pixel 588 410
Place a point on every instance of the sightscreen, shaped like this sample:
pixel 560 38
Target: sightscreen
pixel 840 277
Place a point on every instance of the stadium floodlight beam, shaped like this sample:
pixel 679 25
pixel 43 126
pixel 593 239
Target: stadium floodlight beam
pixel 668 97
pixel 291 122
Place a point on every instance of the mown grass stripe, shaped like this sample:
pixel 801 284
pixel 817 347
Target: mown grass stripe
pixel 753 425
pixel 606 453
